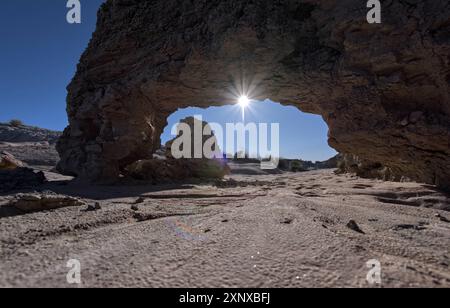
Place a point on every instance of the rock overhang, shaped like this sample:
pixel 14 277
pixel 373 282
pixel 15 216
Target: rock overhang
pixel 382 89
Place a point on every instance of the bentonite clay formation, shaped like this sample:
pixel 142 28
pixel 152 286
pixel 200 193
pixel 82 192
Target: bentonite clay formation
pixel 383 89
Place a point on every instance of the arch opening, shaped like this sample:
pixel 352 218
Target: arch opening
pixel 302 136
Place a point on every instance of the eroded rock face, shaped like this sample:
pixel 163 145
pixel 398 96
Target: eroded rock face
pixel 383 89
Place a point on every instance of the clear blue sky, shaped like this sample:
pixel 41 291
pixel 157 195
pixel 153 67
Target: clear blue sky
pixel 39 52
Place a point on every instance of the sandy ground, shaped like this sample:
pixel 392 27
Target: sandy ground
pixel 287 230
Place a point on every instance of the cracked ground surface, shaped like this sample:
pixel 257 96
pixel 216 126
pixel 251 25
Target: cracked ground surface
pixel 286 230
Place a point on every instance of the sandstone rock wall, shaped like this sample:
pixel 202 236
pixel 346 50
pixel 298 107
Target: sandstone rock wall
pixel 382 89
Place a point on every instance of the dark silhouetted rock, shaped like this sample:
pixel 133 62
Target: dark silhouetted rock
pixel 93 207
pixel 352 225
pixel 164 171
pixel 20 178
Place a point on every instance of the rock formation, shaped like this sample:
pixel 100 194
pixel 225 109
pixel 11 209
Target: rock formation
pixel 205 138
pixel 166 168
pixel 383 89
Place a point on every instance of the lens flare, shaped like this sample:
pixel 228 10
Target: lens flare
pixel 244 101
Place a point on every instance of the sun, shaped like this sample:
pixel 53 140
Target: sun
pixel 243 101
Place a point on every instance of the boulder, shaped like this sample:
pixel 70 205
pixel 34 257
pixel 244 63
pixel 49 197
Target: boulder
pixel 201 127
pixel 9 162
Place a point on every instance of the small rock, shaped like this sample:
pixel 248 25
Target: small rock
pixel 93 207
pixel 140 200
pixel 287 221
pixel 354 226
pixel 442 218
pixel 135 208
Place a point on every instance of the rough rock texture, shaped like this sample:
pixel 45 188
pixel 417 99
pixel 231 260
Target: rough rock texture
pixel 383 89
pixel 9 162
pixel 43 202
pixel 20 178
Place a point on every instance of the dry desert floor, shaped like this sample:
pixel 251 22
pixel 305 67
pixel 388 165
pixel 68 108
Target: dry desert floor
pixel 285 230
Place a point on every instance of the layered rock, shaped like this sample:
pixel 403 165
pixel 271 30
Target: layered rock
pixel 36 202
pixel 24 133
pixel 383 89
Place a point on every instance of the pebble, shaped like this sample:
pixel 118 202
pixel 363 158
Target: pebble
pixel 354 226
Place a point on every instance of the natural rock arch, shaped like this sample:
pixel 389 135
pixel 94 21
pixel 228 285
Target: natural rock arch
pixel 383 89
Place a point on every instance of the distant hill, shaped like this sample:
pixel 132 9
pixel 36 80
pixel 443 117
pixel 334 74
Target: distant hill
pixel 24 133
pixel 298 165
